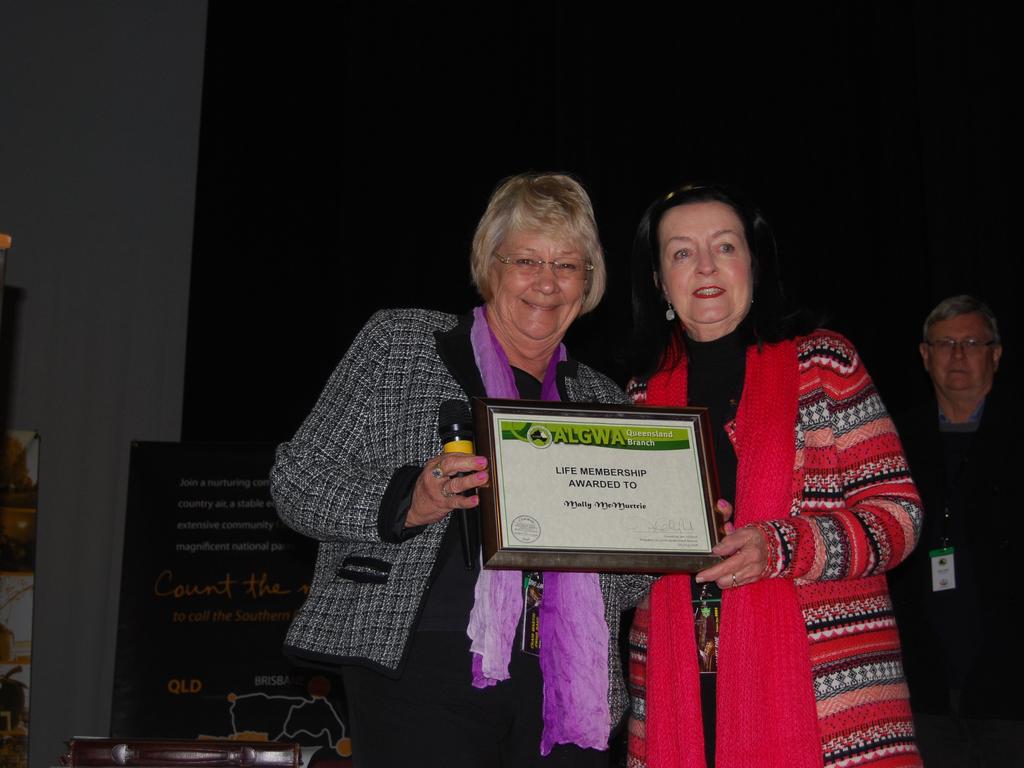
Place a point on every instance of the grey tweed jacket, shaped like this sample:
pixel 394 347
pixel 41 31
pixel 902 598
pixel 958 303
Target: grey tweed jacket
pixel 371 431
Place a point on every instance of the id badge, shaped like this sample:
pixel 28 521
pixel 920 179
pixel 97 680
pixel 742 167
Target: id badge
pixel 533 591
pixel 707 614
pixel 943 569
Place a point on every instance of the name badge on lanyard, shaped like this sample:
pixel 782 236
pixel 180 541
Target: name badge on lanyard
pixel 943 569
pixel 533 592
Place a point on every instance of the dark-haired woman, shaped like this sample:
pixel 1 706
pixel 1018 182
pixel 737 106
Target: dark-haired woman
pixel 797 616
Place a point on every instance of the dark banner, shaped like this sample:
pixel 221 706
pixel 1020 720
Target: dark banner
pixel 209 584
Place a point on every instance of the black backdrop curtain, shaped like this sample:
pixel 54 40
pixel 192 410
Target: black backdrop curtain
pixel 347 153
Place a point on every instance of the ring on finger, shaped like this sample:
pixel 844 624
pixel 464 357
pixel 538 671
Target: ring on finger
pixel 437 472
pixel 446 491
pixel 734 584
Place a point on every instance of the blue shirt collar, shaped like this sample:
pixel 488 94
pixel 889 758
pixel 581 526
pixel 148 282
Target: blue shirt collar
pixel 971 425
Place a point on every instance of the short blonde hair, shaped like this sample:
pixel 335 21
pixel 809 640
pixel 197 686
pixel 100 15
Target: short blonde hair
pixel 551 204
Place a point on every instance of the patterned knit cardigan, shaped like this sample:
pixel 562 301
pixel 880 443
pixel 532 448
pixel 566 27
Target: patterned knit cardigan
pixel 855 514
pixel 377 417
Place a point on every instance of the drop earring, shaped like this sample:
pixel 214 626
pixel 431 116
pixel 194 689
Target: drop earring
pixel 670 313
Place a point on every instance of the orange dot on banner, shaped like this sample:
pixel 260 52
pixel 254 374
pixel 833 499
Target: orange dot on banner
pixel 318 686
pixel 344 747
pixel 232 696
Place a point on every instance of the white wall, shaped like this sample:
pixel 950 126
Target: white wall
pixel 99 132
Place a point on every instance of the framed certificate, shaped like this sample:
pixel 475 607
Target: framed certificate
pixel 596 487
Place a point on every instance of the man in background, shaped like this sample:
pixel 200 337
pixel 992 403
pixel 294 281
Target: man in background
pixel 958 597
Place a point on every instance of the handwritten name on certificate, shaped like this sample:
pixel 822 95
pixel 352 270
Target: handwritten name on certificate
pixel 566 483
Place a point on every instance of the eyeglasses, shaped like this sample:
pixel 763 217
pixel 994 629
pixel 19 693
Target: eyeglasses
pixel 563 269
pixel 968 346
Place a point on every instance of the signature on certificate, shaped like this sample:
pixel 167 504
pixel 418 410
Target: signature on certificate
pixel 645 524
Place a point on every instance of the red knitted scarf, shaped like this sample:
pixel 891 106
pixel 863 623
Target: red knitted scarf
pixel 766 709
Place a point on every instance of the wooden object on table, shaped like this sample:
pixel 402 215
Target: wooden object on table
pixel 180 753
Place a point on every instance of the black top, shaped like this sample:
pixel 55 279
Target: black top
pixel 450 599
pixel 715 381
pixel 955 607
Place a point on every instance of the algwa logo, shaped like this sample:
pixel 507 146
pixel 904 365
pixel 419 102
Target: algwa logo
pixel 538 436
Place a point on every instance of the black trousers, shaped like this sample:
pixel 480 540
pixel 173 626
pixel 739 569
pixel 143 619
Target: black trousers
pixel 433 716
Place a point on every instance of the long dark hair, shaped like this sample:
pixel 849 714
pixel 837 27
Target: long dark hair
pixel 770 318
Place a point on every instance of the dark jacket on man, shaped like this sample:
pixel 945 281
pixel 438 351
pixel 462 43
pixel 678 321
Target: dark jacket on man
pixel 964 640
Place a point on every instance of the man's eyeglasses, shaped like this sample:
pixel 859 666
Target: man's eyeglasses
pixel 968 346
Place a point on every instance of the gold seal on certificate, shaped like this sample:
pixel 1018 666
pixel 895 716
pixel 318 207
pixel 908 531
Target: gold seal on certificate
pixel 596 487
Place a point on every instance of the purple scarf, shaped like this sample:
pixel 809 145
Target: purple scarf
pixel 573 631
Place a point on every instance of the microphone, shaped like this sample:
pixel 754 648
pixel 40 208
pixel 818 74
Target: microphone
pixel 456 429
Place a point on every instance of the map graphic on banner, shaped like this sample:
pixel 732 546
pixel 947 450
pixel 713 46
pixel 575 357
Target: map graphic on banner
pixel 210 581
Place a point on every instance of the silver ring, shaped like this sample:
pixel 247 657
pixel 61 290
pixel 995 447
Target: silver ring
pixel 446 491
pixel 734 584
pixel 436 471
